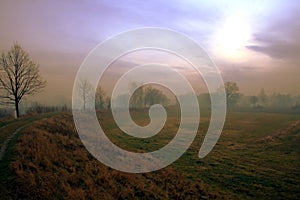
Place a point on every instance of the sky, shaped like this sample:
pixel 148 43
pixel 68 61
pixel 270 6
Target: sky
pixel 254 43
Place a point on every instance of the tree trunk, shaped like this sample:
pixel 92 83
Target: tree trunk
pixel 84 104
pixel 17 108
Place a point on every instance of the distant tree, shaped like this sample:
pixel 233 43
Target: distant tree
pixel 108 102
pixel 297 103
pixel 121 100
pixel 253 101
pixel 137 98
pixel 85 89
pixel 100 98
pixel 263 98
pixel 19 77
pixel 232 93
pixel 204 100
pixel 244 101
pixel 281 100
pixel 297 100
pixel 145 95
pixel 154 96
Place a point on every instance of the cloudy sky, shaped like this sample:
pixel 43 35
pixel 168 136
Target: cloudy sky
pixel 254 43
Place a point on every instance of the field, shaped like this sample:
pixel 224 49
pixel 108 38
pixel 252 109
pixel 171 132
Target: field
pixel 257 157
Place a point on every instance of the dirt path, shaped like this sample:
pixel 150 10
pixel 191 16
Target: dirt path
pixel 22 124
pixel 5 143
pixel 8 133
pixel 3 127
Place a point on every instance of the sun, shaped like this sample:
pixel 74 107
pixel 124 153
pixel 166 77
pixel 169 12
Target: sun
pixel 232 36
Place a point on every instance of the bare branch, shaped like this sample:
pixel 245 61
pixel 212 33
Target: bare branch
pixel 19 76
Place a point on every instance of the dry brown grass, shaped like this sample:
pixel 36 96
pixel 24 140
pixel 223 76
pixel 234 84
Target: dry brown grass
pixel 52 163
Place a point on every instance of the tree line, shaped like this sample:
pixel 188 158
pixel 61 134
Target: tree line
pixel 20 77
pixel 144 96
pixel 261 101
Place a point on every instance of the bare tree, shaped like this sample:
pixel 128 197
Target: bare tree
pixel 232 93
pixel 85 89
pixel 253 101
pixel 108 102
pixel 19 76
pixel 100 98
pixel 263 98
pixel 137 98
pixel 154 96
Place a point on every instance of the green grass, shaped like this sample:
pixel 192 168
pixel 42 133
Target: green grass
pixel 242 164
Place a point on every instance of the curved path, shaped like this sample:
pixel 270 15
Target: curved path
pixel 8 139
pixel 20 125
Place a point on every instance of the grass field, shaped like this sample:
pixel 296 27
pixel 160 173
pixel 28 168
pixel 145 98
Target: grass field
pixel 257 157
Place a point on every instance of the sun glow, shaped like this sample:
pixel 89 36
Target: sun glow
pixel 232 36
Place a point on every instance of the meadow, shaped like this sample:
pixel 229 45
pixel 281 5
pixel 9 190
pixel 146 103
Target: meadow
pixel 257 157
